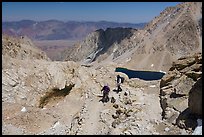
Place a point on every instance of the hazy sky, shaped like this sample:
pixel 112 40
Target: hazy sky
pixel 132 12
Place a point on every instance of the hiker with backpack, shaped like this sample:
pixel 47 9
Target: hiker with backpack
pixel 106 91
pixel 119 80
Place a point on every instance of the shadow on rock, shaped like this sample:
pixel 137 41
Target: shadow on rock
pixel 187 120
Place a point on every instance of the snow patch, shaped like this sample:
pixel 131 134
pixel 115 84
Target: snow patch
pixel 198 129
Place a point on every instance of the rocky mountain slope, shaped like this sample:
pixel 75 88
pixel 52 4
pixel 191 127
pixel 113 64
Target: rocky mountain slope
pixel 22 48
pixel 98 42
pixel 172 34
pixel 59 30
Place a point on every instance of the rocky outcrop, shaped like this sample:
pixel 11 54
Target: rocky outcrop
pixel 98 43
pixel 176 84
pixel 21 48
pixel 195 98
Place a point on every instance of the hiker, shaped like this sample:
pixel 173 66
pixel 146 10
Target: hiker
pixel 106 91
pixel 119 80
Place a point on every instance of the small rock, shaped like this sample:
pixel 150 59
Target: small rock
pixel 113 100
pixel 44 108
pixel 152 86
pixel 183 132
pixel 115 122
pixel 138 125
pixel 127 101
pixel 119 111
pixel 115 116
pixel 115 105
pixel 166 129
pixel 155 133
pixel 23 109
pixel 128 132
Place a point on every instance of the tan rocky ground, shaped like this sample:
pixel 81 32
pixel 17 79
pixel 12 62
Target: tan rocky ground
pixel 79 112
pixel 40 96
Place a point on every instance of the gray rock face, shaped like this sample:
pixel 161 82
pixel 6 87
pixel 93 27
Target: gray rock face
pixel 175 88
pixel 97 43
pixel 195 98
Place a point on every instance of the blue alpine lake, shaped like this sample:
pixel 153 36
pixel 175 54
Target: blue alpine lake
pixel 144 75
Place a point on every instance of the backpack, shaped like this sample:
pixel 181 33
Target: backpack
pixel 106 89
pixel 122 79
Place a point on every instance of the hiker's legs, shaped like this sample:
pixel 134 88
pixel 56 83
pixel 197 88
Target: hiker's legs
pixel 106 98
pixel 104 95
pixel 119 88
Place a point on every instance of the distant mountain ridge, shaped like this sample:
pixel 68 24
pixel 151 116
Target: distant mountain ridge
pixel 58 30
